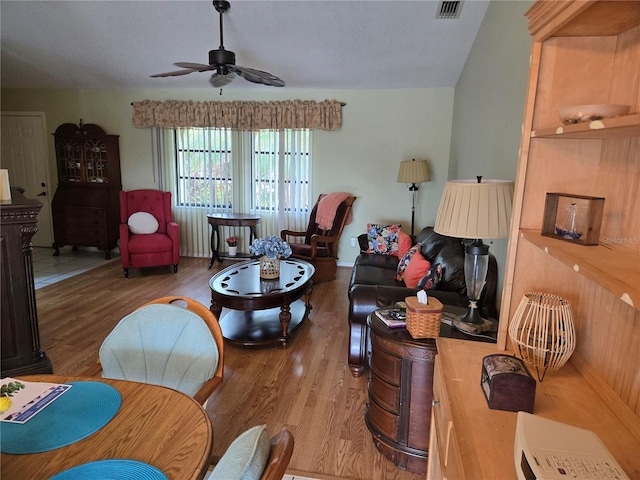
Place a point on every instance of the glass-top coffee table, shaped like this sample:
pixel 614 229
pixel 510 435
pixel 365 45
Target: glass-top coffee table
pixel 262 312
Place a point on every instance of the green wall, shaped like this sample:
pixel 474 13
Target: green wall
pixel 489 102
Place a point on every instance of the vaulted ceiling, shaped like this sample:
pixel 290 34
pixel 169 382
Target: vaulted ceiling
pixel 360 44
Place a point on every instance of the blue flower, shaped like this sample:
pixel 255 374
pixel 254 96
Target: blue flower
pixel 272 247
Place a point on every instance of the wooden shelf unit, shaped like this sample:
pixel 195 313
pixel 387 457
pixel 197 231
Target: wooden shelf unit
pixel 583 52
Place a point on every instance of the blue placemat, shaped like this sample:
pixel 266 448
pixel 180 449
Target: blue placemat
pixel 112 470
pixel 84 409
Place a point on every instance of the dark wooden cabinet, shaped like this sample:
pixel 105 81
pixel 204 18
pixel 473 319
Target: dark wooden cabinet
pixel 398 413
pixel 86 205
pixel 21 353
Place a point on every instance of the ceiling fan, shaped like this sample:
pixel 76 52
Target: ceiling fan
pixel 223 63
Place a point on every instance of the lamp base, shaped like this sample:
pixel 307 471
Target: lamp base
pixel 472 323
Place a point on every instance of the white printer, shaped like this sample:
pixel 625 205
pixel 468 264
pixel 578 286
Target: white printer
pixel 550 450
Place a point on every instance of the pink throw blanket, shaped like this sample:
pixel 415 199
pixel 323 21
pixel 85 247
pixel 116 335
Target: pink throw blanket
pixel 327 207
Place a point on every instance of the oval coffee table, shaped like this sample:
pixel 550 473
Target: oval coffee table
pixel 262 311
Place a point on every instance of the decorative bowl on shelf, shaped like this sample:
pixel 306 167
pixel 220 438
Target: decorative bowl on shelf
pixel 587 113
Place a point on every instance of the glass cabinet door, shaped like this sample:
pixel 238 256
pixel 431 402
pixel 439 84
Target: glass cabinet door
pixel 69 161
pixel 96 161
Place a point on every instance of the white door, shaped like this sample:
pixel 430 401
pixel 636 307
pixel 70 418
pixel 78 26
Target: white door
pixel 24 154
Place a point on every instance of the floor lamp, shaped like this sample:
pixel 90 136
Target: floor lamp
pixel 475 210
pixel 413 172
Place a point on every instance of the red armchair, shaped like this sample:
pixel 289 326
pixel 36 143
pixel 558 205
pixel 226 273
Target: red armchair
pixel 152 248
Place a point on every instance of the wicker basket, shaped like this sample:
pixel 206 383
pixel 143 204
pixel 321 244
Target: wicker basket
pixel 269 267
pixel 423 321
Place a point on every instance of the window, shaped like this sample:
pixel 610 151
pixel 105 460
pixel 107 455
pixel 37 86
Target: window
pixel 279 162
pixel 203 167
pixel 281 168
pixel 209 169
pixel 266 173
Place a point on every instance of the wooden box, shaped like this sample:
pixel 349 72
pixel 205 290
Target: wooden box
pixel 573 218
pixel 507 383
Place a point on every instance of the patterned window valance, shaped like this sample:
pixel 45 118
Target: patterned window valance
pixel 326 115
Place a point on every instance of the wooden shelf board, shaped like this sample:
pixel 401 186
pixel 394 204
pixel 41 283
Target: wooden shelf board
pixel 625 126
pixel 615 268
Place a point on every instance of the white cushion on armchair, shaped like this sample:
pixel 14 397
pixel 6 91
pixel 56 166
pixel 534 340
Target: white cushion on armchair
pixel 142 223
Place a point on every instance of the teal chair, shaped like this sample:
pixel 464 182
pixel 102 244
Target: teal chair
pixel 252 456
pixel 173 341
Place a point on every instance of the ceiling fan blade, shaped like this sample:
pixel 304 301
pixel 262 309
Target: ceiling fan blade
pixel 197 67
pixel 220 81
pixel 173 74
pixel 189 68
pixel 257 76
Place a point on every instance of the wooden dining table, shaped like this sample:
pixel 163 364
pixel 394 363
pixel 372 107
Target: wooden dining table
pixel 155 425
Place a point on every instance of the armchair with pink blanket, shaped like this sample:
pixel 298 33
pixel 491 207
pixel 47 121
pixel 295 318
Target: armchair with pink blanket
pixel 319 243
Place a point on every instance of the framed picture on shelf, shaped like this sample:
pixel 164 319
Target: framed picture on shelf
pixel 573 218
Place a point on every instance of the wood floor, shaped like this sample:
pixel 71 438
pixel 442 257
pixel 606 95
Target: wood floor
pixel 307 388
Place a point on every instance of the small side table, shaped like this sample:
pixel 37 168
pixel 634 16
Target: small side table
pixel 398 412
pixel 230 220
pixel 400 393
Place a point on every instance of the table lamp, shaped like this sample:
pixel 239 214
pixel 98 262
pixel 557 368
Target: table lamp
pixel 475 210
pixel 413 172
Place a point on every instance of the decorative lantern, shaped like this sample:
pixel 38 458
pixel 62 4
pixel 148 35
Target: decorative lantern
pixel 542 331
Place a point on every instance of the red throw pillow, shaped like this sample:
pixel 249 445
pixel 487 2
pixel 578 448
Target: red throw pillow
pixel 404 261
pixel 418 267
pixel 404 243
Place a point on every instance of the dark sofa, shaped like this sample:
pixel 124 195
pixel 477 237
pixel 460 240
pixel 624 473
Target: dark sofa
pixel 373 285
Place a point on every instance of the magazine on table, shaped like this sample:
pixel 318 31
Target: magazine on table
pixel 27 398
pixel 392 317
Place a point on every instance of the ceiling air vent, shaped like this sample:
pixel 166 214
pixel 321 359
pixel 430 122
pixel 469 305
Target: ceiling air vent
pixel 449 9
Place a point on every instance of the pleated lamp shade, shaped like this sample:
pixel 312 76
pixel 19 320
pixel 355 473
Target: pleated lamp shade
pixel 413 171
pixel 469 209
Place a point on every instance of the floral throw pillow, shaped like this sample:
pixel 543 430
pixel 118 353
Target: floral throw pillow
pixel 432 278
pixel 404 261
pixel 383 239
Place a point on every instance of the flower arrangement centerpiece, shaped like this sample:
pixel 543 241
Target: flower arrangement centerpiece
pixel 270 250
